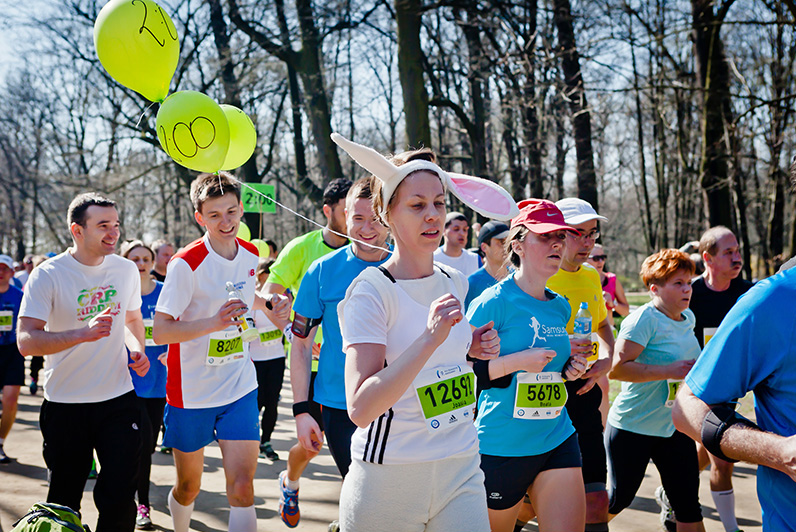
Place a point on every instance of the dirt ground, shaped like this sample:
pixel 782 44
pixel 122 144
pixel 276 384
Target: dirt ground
pixel 24 482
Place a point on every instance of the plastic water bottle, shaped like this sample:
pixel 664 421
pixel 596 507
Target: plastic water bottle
pixel 582 326
pixel 248 331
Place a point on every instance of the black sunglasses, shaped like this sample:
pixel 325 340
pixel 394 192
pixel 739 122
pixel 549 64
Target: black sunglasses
pixel 598 257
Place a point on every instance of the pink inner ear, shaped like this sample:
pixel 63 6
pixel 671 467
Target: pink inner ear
pixel 483 195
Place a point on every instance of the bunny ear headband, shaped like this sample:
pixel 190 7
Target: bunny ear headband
pixel 481 195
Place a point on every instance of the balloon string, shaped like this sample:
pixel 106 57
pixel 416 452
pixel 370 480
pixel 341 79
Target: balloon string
pixel 313 222
pixel 143 113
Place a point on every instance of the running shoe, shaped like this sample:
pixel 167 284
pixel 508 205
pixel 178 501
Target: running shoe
pixel 165 450
pixel 34 387
pixel 93 472
pixel 266 451
pixel 4 459
pixel 142 521
pixel 667 514
pixel 334 526
pixel 288 503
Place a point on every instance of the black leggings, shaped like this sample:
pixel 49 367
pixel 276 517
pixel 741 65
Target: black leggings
pixel 150 428
pixel 72 432
pixel 270 374
pixel 675 458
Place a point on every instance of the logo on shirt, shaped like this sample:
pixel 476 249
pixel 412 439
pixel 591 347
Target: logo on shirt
pixel 537 327
pixel 92 301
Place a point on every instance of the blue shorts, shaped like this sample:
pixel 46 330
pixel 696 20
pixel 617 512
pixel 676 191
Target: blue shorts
pixel 190 429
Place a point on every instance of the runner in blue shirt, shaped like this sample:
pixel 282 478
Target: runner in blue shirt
pixel 151 388
pixel 492 245
pixel 12 364
pixel 754 349
pixel 527 441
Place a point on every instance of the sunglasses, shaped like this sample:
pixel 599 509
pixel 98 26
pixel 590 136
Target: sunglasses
pixel 598 257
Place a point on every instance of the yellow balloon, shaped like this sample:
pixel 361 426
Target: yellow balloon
pixel 244 233
pixel 193 130
pixel 137 43
pixel 242 137
pixel 262 247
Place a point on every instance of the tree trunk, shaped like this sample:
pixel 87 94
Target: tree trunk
pixel 410 72
pixel 575 94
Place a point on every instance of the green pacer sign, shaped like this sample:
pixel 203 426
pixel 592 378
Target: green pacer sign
pixel 259 199
pixel 6 320
pixel 539 395
pixel 446 396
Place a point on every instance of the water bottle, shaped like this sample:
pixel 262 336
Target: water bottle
pixel 582 326
pixel 248 331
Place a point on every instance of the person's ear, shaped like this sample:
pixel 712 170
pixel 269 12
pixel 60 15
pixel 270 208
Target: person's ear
pixel 76 230
pixel 198 217
pixel 327 211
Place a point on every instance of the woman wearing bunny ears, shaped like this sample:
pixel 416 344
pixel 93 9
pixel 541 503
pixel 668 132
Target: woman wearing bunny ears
pixel 527 441
pixel 409 388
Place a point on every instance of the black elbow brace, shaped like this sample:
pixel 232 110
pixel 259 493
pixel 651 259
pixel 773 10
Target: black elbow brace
pixel 718 419
pixel 481 370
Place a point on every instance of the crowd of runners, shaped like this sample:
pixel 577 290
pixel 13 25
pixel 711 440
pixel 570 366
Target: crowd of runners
pixel 456 389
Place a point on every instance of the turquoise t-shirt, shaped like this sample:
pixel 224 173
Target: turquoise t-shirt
pixel 477 282
pixel 521 321
pixel 322 288
pixel 641 406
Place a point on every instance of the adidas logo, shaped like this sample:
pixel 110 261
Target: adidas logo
pixel 452 419
pixel 535 414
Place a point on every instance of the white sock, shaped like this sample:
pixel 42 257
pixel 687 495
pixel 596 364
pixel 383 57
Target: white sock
pixel 291 484
pixel 180 515
pixel 725 505
pixel 242 519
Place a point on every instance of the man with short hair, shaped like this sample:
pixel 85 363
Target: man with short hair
pixel 322 288
pixel 79 310
pixel 579 282
pixel 211 386
pixel 453 252
pixel 287 273
pixel 164 251
pixel 12 364
pixel 27 266
pixel 492 243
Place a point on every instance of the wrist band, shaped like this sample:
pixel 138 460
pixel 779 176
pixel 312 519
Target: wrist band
pixel 302 407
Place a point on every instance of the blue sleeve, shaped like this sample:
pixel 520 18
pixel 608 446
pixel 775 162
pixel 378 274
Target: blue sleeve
pixel 308 300
pixel 639 327
pixel 751 346
pixel 483 309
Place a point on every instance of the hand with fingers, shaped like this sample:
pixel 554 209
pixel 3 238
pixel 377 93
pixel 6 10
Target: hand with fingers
pixel 445 312
pixel 486 343
pixel 99 326
pixel 140 363
pixel 228 314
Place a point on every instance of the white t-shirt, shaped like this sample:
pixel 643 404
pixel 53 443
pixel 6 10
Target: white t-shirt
pixel 67 294
pixel 467 262
pixel 401 435
pixel 269 346
pixel 195 289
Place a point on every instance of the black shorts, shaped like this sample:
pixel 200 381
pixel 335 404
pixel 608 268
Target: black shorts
pixel 508 478
pixel 315 408
pixel 584 411
pixel 12 366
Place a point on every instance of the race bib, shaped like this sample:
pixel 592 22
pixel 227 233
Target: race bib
pixel 148 333
pixel 270 337
pixel 225 347
pixel 595 351
pixel 673 386
pixel 707 334
pixel 446 396
pixel 539 395
pixel 6 320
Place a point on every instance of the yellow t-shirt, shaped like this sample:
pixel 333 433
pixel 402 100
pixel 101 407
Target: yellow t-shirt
pixel 582 285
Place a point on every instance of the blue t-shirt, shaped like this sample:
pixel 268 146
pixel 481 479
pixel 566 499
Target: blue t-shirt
pixel 153 384
pixel 322 288
pixel 521 321
pixel 641 406
pixel 478 281
pixel 10 300
pixel 754 349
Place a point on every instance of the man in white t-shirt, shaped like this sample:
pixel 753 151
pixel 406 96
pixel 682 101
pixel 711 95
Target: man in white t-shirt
pixel 211 388
pixel 79 310
pixel 453 252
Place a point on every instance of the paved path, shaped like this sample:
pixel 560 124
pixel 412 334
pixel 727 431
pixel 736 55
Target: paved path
pixel 23 482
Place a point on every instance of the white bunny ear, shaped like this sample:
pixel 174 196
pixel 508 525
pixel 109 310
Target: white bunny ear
pixel 483 196
pixel 367 158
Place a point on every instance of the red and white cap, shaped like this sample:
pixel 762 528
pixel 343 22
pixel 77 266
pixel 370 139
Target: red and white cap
pixel 541 216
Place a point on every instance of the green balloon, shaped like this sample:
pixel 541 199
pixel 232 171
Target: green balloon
pixel 262 247
pixel 242 137
pixel 243 232
pixel 137 43
pixel 193 130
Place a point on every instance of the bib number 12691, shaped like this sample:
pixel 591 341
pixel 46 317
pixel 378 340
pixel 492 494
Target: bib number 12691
pixel 446 396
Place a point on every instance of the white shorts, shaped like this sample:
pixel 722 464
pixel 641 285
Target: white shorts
pixel 439 496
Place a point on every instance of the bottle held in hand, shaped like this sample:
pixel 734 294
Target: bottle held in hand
pixel 247 329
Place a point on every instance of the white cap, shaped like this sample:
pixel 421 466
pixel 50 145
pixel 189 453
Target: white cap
pixel 8 261
pixel 576 211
